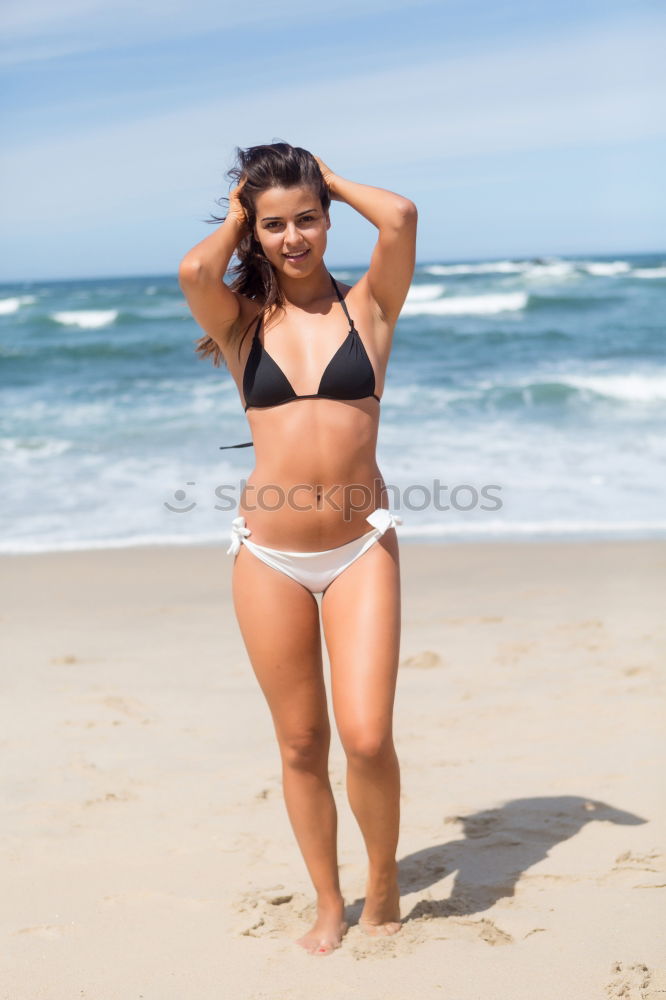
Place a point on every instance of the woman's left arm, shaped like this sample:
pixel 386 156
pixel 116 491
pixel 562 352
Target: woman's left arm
pixel 394 256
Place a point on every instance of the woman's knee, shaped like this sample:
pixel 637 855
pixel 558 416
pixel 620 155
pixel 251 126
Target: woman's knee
pixel 367 745
pixel 305 749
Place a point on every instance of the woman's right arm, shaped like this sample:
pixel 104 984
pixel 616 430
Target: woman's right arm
pixel 215 307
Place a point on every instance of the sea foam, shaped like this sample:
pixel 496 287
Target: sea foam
pixel 468 305
pixel 87 319
pixel 633 388
pixel 14 303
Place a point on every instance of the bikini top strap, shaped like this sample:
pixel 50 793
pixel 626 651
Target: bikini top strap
pixel 342 301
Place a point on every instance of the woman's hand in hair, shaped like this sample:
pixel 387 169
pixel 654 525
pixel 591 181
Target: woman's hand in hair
pixel 328 176
pixel 235 207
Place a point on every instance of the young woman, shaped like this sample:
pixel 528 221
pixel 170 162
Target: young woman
pixel 310 376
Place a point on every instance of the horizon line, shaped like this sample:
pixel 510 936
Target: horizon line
pixel 419 263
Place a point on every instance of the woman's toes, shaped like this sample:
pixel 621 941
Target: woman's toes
pixel 321 942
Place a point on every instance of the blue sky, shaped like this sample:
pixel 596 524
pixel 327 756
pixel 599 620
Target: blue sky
pixel 517 128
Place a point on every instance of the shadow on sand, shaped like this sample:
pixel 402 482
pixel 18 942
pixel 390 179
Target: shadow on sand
pixel 496 848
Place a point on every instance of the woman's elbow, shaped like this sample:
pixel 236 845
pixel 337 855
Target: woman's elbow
pixel 407 210
pixel 189 269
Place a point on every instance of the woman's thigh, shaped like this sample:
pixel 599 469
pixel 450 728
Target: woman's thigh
pixel 279 623
pixel 361 621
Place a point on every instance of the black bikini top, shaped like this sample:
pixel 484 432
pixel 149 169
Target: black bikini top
pixel 348 375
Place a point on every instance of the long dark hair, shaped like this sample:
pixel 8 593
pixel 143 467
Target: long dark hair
pixel 264 167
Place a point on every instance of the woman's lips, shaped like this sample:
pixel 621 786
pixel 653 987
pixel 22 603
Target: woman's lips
pixel 297 257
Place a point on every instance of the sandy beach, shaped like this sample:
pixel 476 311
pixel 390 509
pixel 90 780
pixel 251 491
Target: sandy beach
pixel 146 849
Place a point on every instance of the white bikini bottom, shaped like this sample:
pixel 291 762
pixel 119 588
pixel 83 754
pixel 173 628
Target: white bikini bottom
pixel 314 570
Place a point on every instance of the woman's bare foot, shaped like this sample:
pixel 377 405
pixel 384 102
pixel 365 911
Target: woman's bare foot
pixel 328 929
pixel 381 912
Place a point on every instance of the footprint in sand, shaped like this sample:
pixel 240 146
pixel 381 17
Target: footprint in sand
pixel 420 930
pixel 486 930
pixel 111 797
pixel 649 861
pixel 423 661
pixel 629 981
pixel 271 912
pixel 478 826
pixel 49 931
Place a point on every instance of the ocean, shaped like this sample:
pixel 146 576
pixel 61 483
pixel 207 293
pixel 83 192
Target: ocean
pixel 524 399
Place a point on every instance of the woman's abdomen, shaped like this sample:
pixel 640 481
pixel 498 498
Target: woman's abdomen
pixel 315 489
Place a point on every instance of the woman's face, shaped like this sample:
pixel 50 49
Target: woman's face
pixel 291 220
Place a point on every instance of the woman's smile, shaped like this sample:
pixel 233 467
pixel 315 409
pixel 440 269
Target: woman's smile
pixel 297 256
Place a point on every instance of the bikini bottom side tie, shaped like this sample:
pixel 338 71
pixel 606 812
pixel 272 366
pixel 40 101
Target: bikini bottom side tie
pixel 314 570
